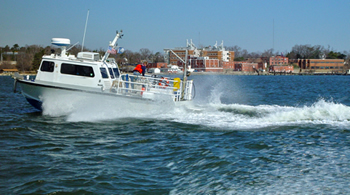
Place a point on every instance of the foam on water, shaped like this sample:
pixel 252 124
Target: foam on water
pixel 82 107
pixel 236 116
pixel 214 114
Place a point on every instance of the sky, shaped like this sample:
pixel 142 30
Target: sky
pixel 254 25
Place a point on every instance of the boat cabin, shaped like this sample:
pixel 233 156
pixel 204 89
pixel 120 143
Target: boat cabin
pixel 84 70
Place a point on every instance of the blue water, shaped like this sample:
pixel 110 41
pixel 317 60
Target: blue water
pixel 241 135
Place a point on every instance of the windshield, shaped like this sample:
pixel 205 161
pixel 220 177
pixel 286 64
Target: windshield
pixel 104 73
pixel 111 73
pixel 116 72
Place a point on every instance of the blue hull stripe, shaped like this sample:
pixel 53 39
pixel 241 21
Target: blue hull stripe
pixel 35 103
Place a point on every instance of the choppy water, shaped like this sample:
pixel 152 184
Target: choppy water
pixel 241 135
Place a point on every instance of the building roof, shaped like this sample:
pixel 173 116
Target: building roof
pixel 10 70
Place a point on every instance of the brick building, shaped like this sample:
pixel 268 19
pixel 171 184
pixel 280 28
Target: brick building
pixel 157 65
pixel 322 65
pixel 261 63
pixel 208 59
pixel 173 59
pixel 245 66
pixel 228 65
pixel 278 60
pixel 213 65
pixel 203 64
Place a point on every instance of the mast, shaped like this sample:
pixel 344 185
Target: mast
pixel 111 49
pixel 112 45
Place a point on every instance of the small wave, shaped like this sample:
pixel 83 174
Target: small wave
pixel 243 117
pixel 244 110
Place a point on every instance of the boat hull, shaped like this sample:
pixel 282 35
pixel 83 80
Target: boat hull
pixel 32 93
pixel 39 95
pixel 35 103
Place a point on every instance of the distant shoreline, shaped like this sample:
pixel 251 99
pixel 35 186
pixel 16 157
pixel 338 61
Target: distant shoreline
pixel 238 73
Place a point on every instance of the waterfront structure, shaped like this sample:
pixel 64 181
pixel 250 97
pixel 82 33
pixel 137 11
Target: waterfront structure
pixel 281 68
pixel 207 59
pixel 322 65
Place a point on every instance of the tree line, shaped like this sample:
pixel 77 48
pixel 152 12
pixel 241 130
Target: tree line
pixel 29 57
pixel 297 52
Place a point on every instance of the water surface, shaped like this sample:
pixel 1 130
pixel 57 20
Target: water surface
pixel 241 135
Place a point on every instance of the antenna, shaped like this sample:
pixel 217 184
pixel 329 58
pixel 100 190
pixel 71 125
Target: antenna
pixel 72 46
pixel 87 17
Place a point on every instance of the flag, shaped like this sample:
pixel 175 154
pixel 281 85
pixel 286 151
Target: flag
pixel 111 50
pixel 120 50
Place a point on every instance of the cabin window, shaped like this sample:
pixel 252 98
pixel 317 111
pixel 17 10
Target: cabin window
pixel 77 70
pixel 104 73
pixel 111 73
pixel 47 66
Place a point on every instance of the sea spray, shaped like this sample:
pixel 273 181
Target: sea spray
pixel 91 107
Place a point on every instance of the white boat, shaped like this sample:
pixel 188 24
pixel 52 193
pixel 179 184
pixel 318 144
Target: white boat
pixel 64 76
pixel 175 69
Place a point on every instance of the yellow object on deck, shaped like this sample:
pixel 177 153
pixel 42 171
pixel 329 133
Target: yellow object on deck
pixel 177 82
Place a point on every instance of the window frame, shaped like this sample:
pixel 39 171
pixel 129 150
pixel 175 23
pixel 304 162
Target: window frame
pixel 77 70
pixel 47 66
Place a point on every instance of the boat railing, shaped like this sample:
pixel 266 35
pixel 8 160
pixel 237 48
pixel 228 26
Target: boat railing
pixel 150 87
pixel 188 91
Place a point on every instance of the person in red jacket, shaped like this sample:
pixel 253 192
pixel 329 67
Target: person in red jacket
pixel 137 70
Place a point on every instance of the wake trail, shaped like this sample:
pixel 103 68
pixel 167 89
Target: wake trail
pixel 244 117
pixel 212 115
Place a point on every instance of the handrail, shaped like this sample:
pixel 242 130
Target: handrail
pixel 134 85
